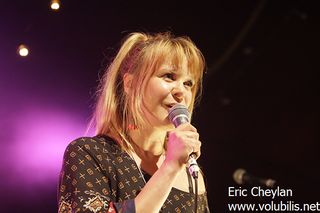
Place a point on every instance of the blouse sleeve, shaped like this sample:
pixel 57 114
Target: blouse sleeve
pixel 84 184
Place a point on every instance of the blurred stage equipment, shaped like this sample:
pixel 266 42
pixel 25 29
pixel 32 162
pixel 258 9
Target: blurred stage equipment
pixel 240 176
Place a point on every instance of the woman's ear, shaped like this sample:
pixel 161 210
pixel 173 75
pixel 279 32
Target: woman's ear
pixel 127 82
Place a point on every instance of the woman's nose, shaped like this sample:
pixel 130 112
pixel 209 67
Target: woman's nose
pixel 178 92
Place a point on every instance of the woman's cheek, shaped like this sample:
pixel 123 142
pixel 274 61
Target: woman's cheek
pixel 165 87
pixel 188 98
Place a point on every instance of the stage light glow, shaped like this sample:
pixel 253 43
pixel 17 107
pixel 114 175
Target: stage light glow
pixel 43 133
pixel 23 50
pixel 55 4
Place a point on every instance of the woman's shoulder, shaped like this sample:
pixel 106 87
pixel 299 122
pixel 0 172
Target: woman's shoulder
pixel 96 144
pixel 98 139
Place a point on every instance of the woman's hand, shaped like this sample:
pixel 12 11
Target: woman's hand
pixel 181 142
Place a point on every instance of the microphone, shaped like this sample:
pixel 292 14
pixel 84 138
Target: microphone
pixel 179 114
pixel 240 176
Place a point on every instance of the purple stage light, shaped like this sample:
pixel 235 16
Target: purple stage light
pixel 41 136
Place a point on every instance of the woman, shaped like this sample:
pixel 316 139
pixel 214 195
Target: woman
pixel 137 161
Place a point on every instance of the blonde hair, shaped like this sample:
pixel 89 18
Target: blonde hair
pixel 141 55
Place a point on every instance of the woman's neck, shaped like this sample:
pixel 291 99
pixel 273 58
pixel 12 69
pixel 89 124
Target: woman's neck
pixel 148 146
pixel 149 141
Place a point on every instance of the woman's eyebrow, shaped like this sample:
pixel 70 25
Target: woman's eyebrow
pixel 168 69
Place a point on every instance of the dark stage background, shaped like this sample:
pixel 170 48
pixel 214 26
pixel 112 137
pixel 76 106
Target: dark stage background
pixel 260 106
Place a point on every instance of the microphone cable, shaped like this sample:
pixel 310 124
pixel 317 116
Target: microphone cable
pixel 195 194
pixel 193 170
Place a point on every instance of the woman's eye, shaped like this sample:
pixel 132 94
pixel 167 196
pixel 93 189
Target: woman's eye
pixel 169 76
pixel 188 83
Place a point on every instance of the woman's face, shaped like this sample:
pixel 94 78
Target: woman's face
pixel 165 88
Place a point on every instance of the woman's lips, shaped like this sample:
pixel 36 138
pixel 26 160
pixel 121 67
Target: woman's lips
pixel 169 106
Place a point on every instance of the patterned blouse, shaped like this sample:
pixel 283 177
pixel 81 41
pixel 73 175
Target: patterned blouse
pixel 98 176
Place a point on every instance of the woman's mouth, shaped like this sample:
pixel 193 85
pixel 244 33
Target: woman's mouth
pixel 169 106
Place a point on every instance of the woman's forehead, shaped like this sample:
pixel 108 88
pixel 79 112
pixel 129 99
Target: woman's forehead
pixel 182 67
pixel 173 63
pixel 169 66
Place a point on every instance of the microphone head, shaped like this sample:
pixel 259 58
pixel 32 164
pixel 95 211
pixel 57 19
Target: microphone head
pixel 238 176
pixel 179 114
